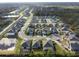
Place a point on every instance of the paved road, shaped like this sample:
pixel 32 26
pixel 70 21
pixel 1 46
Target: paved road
pixel 21 33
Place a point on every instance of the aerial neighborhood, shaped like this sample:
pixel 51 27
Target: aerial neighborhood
pixel 37 30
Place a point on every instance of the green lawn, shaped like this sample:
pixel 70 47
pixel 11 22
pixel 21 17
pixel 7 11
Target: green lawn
pixel 18 46
pixel 60 52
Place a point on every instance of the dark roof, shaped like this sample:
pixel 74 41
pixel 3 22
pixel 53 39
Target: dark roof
pixel 48 44
pixel 26 44
pixel 75 46
pixel 36 45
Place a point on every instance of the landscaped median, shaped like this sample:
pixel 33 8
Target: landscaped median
pixel 18 46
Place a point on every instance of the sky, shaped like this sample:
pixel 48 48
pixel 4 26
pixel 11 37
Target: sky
pixel 8 1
